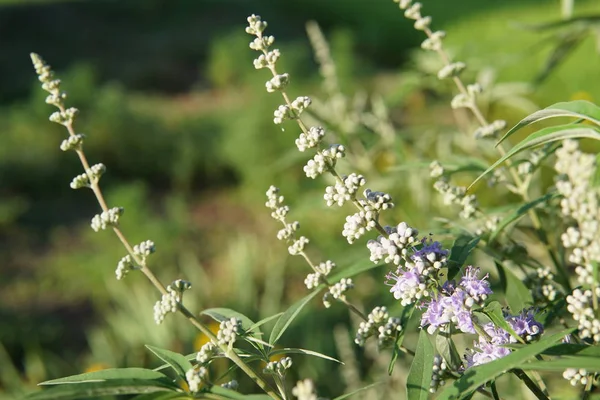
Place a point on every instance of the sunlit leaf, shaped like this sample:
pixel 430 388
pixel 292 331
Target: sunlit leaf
pixel 302 351
pixel 353 270
pixel 177 361
pixel 223 314
pixel 543 136
pixel 580 109
pixel 421 369
pixel 110 374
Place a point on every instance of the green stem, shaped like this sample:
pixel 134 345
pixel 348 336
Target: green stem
pixel 530 384
pixel 159 286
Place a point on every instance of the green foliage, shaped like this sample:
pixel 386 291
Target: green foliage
pixel 419 376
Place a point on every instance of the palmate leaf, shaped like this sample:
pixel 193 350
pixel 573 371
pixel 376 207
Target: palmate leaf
pixel 178 362
pixel 421 369
pixel 543 136
pixel 106 383
pixel 289 315
pixel 477 376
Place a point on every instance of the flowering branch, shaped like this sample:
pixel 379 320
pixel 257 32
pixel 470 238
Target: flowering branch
pixel 136 258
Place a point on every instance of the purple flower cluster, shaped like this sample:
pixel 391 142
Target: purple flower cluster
pixel 489 347
pixel 417 274
pixel 454 303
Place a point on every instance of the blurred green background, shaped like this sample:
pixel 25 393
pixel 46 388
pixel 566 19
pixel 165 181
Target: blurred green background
pixel 171 104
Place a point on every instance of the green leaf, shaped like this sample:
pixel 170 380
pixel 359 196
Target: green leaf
pixel 519 213
pixel 477 376
pixel 407 313
pixel 447 349
pixel 264 321
pixel 288 350
pixel 233 395
pixel 579 109
pixel 164 396
pixel 90 390
pixel 178 362
pixel 588 363
pixel 595 180
pixel 108 382
pixel 421 369
pixel 348 395
pixel 353 270
pixel 110 374
pixel 568 349
pixel 289 315
pixel 461 248
pixel 494 312
pixel 518 295
pixel 223 314
pixel 543 136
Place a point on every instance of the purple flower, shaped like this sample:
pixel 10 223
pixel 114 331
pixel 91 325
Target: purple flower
pixel 525 325
pixel 446 309
pixel 408 286
pixel 434 316
pixel 477 288
pixel 490 348
pixel 484 351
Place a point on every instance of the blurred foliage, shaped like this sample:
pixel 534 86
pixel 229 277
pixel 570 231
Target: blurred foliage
pixel 171 104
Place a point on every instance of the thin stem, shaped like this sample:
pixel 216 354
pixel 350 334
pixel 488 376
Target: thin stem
pixel 522 189
pixel 156 282
pixel 530 384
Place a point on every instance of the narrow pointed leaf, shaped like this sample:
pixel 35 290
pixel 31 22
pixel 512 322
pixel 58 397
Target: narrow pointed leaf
pixel 264 321
pixel 518 296
pixel 233 395
pixel 164 396
pixel 477 376
pixel 580 109
pixel 353 270
pixel 588 363
pixel 110 374
pixel 178 362
pixel 519 213
pixel 303 351
pixel 571 349
pixel 543 136
pixel 421 369
pixel 447 349
pixel 289 315
pixel 89 390
pixel 223 314
pixel 461 248
pixel 349 395
pixel 494 312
